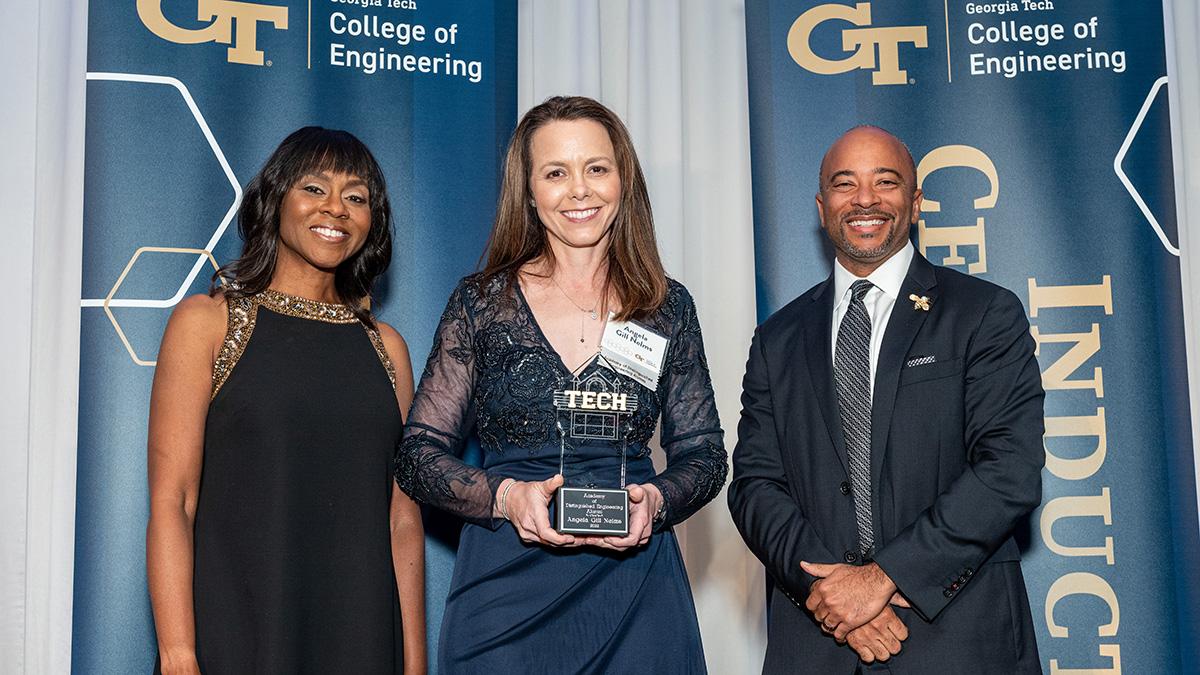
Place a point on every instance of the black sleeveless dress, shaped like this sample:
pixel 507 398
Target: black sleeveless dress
pixel 293 561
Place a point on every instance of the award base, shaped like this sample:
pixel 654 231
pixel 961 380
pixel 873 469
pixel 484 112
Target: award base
pixel 591 511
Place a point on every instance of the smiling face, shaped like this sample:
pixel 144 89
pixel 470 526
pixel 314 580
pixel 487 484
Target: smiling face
pixel 868 199
pixel 574 182
pixel 324 220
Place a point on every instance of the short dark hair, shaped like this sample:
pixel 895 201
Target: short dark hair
pixel 306 151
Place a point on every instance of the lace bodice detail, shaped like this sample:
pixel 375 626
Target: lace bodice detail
pixel 492 370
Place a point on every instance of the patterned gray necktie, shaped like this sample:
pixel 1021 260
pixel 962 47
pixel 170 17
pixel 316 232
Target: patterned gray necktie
pixel 852 375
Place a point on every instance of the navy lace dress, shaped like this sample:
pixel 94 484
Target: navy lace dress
pixel 516 607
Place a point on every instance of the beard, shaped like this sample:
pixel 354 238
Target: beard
pixel 879 249
pixel 873 252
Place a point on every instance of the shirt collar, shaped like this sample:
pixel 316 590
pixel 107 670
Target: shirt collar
pixel 888 277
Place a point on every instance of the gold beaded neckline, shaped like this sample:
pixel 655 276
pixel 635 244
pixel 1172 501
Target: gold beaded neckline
pixel 304 308
pixel 243 313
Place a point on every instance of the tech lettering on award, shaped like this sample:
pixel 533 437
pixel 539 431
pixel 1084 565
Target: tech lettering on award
pixel 597 408
pixel 594 409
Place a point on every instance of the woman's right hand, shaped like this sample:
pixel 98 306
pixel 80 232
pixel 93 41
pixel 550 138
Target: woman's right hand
pixel 175 456
pixel 527 507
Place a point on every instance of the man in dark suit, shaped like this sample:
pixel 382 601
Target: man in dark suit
pixel 889 444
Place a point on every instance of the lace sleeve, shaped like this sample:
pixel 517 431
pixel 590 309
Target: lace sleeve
pixel 691 432
pixel 427 465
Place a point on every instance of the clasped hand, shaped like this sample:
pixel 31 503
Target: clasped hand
pixel 853 604
pixel 527 506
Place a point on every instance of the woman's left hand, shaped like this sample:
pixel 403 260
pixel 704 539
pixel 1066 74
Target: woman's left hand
pixel 644 502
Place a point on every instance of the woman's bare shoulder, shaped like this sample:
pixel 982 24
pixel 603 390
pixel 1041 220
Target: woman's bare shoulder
pixel 200 318
pixel 396 347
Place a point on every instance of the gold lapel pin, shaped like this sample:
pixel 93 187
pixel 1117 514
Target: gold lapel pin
pixel 920 302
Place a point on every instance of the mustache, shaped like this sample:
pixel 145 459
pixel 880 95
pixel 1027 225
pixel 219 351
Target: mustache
pixel 859 213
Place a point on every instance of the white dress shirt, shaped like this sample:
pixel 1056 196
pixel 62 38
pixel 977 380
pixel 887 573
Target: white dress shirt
pixel 887 280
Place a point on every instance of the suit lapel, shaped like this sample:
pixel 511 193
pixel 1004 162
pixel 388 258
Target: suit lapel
pixel 819 353
pixel 902 327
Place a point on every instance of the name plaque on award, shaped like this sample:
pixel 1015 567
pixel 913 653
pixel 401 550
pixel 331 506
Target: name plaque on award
pixel 591 511
pixel 592 410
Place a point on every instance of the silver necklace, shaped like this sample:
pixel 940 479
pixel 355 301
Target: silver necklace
pixel 589 313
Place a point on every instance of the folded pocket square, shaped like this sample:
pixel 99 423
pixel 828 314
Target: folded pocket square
pixel 920 361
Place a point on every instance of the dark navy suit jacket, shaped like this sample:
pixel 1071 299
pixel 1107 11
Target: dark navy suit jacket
pixel 956 458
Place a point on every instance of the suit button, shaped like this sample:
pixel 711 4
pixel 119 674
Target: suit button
pixel 962 580
pixel 954 586
pixel 968 572
pixel 948 593
pixel 850 556
pixel 845 487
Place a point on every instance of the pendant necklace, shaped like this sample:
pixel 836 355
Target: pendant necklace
pixel 589 313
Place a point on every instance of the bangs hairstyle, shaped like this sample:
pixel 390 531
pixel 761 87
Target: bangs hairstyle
pixel 635 271
pixel 309 151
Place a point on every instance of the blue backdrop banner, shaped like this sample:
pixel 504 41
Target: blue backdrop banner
pixel 1042 136
pixel 185 101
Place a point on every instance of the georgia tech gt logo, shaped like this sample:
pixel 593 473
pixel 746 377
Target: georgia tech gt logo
pixel 222 15
pixel 862 41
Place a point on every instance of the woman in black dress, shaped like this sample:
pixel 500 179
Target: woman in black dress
pixel 277 542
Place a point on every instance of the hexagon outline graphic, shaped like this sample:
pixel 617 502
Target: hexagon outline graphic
pixel 1120 158
pixel 229 213
pixel 108 299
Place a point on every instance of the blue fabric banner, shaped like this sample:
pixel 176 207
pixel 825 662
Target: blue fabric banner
pixel 1042 136
pixel 185 101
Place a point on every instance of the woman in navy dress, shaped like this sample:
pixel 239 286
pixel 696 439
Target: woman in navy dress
pixel 573 242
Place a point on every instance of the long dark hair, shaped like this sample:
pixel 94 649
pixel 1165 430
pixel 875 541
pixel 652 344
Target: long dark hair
pixel 635 271
pixel 306 151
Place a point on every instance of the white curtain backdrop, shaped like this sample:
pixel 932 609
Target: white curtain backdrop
pixel 43 46
pixel 673 69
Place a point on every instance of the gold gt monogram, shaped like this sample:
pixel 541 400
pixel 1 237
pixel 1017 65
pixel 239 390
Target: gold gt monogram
pixel 863 42
pixel 222 15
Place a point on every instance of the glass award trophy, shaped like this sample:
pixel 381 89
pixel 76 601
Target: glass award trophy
pixel 593 414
